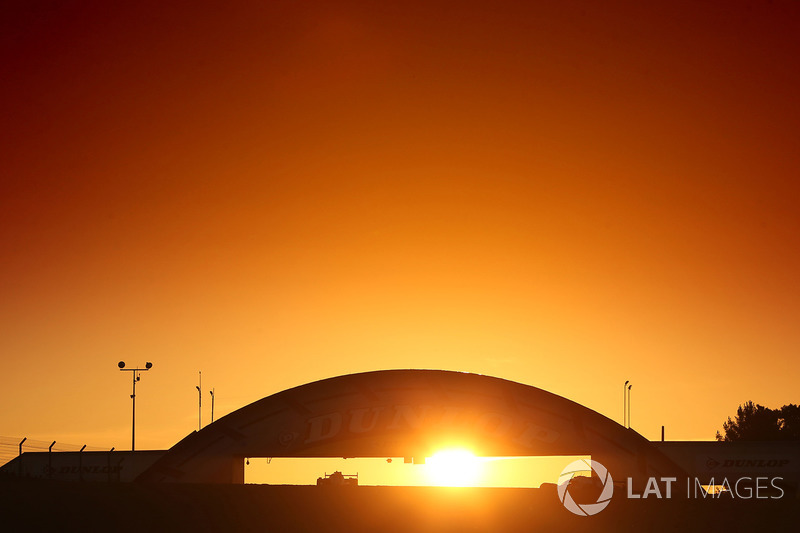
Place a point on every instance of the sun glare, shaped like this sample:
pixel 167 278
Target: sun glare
pixel 454 468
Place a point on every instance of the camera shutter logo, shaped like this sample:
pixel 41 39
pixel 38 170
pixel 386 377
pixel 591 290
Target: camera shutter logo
pixel 586 509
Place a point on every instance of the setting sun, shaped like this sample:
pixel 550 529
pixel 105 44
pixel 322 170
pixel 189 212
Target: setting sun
pixel 454 468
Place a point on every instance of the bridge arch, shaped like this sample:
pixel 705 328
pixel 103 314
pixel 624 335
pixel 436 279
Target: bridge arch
pixel 406 413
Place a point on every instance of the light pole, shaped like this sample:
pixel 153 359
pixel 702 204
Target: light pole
pixel 136 377
pixel 199 401
pixel 625 404
pixel 211 392
pixel 629 406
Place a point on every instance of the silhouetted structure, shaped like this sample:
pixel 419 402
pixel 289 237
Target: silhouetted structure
pixel 411 414
pixel 337 479
pixel 407 413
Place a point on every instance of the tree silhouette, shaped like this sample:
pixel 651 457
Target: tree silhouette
pixel 755 422
pixel 789 422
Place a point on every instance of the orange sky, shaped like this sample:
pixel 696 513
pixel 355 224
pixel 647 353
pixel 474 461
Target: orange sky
pixel 565 194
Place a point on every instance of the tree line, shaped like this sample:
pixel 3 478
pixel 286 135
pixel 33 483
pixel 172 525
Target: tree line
pixel 754 422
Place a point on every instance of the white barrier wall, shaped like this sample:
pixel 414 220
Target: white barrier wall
pixel 116 466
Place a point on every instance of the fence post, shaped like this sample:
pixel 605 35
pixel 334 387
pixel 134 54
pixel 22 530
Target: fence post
pixel 50 459
pixel 80 463
pixel 20 455
pixel 109 463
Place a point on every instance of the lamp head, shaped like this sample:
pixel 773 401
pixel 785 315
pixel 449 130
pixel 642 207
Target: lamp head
pixel 121 364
